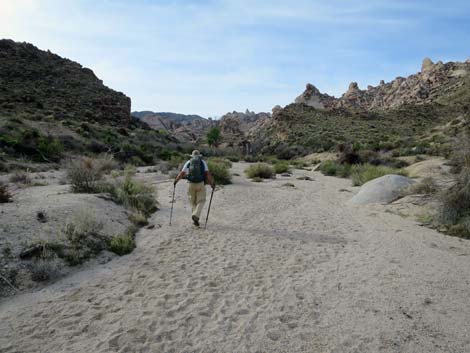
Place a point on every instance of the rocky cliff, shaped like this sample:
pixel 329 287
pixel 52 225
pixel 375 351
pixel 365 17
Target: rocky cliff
pixel 39 83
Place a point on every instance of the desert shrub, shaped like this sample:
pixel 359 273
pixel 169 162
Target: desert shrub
pixel 176 161
pixel 347 154
pixel 363 173
pixel 5 194
pixel 50 148
pixel 261 170
pixel 299 163
pixel 251 159
pixel 85 175
pixel 133 194
pixel 220 171
pixel 456 200
pixel 139 219
pixel 233 158
pixel 123 244
pixel 427 186
pixel 219 160
pixel 20 177
pixel 333 168
pixel 257 179
pixel 281 167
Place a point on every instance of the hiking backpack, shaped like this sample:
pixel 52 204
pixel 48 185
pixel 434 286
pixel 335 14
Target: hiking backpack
pixel 196 170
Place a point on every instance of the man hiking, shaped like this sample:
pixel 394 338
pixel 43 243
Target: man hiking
pixel 197 173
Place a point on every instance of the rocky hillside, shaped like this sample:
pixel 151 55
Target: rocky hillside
pixel 52 108
pixel 432 84
pixel 399 115
pixel 40 83
pixel 188 128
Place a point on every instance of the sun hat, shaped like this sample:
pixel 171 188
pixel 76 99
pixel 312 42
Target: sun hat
pixel 196 153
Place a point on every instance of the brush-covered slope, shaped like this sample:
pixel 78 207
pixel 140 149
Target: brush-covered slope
pixel 397 115
pixel 38 83
pixel 51 108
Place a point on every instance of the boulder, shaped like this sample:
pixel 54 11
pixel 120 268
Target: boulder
pixel 382 190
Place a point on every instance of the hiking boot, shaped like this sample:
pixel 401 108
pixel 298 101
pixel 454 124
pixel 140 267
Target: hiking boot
pixel 195 221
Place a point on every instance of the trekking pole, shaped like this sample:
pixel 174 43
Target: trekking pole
pixel 172 202
pixel 209 209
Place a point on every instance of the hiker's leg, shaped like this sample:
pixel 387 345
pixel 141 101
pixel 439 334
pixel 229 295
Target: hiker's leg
pixel 192 193
pixel 201 199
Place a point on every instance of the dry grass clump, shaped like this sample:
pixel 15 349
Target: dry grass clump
pixel 260 170
pixel 362 173
pixel 85 175
pixel 427 186
pixel 83 237
pixel 5 194
pixel 139 219
pixel 21 177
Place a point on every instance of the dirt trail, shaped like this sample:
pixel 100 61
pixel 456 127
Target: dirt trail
pixel 279 269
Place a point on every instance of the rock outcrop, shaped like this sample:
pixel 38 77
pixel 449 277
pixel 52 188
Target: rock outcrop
pixel 235 126
pixel 434 81
pixel 313 98
pixel 33 80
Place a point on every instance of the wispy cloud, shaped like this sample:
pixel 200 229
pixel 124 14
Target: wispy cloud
pixel 211 56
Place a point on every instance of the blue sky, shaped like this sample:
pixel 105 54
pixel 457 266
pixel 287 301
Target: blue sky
pixel 209 57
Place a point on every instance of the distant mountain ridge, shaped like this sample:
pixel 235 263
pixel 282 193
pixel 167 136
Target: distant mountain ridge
pixel 180 118
pixel 234 126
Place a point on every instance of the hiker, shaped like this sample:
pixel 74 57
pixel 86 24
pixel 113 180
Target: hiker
pixel 198 175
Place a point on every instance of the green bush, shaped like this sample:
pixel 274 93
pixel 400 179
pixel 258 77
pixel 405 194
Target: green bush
pixel 50 148
pixel 233 158
pixel 220 171
pixel 333 168
pixel 123 244
pixel 261 170
pixel 214 137
pixel 362 173
pixel 281 167
pixel 219 160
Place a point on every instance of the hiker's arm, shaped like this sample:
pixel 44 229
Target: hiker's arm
pixel 210 179
pixel 180 176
